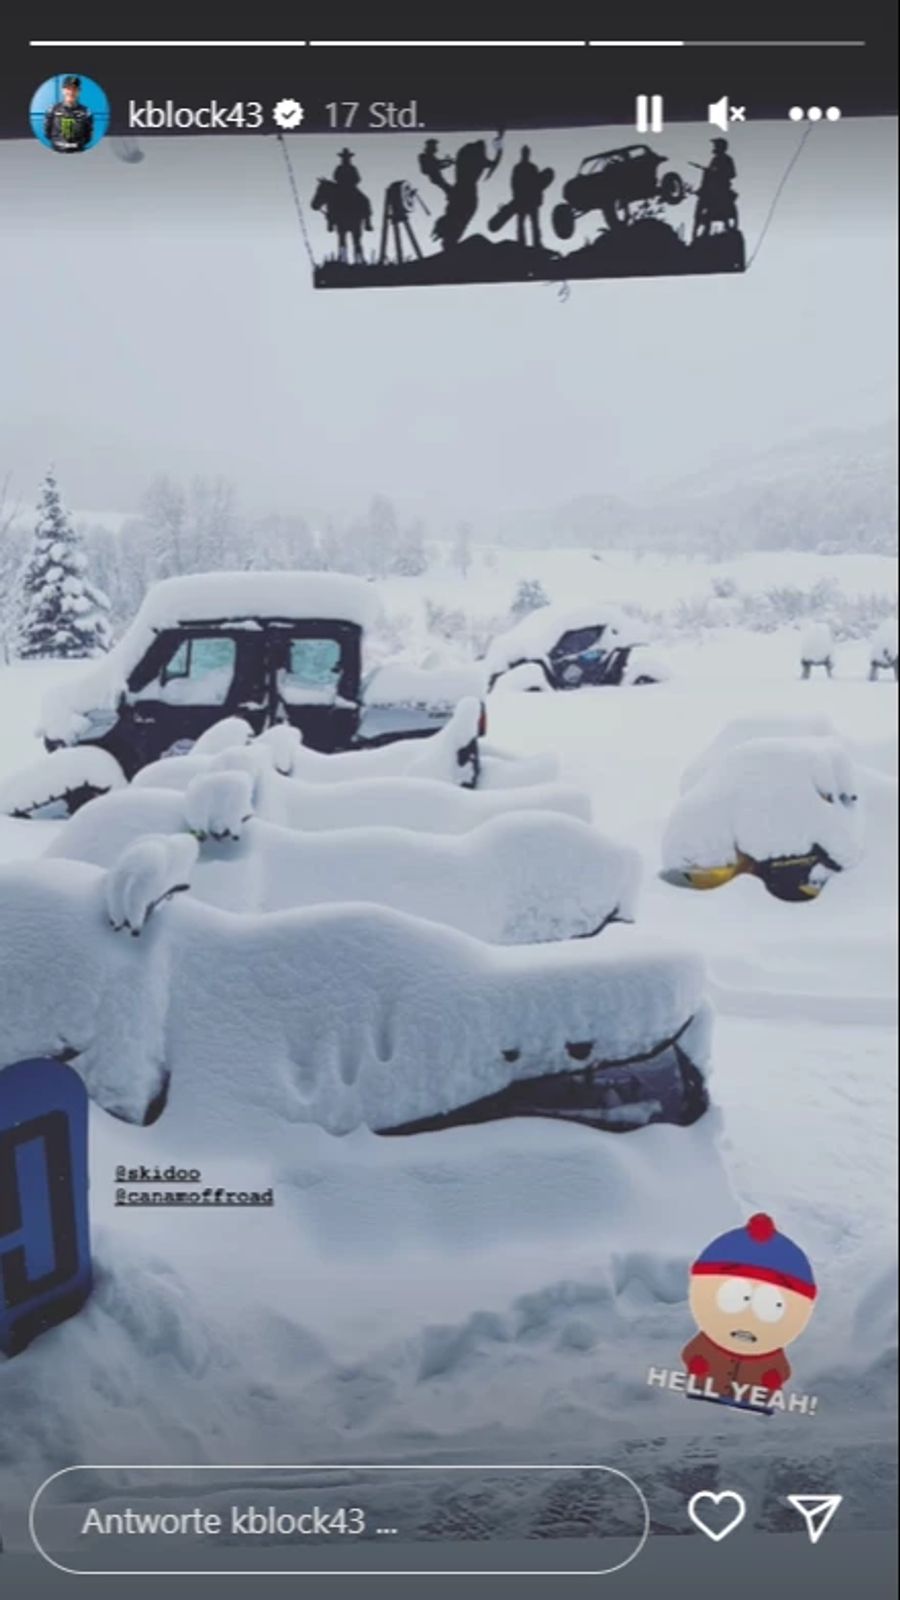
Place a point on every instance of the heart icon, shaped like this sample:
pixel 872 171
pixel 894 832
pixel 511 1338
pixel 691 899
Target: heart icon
pixel 715 1529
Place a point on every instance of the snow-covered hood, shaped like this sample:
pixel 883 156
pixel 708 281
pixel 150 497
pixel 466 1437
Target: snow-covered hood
pixel 232 597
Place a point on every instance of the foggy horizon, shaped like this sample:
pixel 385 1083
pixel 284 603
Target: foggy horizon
pixel 195 346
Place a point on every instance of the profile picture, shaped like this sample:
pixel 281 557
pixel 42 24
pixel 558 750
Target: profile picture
pixel 69 113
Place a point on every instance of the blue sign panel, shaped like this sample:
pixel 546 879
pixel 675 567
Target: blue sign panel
pixel 45 1260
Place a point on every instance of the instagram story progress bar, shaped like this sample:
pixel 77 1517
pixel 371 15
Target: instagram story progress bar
pixel 442 44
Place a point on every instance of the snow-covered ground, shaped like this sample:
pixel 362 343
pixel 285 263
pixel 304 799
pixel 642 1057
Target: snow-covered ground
pixel 499 1292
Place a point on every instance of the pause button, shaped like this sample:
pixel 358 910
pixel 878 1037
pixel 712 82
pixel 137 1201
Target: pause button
pixel 648 113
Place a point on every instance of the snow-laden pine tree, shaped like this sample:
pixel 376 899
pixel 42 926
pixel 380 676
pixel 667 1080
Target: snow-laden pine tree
pixel 64 614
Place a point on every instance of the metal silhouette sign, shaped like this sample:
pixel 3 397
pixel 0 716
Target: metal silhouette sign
pixel 479 214
pixel 45 1262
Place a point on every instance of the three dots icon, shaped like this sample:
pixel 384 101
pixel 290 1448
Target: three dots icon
pixel 814 114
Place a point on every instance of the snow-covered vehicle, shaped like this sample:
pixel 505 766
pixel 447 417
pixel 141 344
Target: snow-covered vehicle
pixel 269 648
pixel 595 644
pixel 422 803
pixel 785 810
pixel 611 182
pixel 884 650
pixel 817 649
pixel 519 877
pixel 161 1001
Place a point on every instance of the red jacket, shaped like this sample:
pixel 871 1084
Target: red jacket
pixel 704 1359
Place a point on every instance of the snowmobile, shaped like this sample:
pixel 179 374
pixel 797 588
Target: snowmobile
pixel 781 809
pixel 270 648
pixel 521 876
pixel 161 1002
pixel 792 878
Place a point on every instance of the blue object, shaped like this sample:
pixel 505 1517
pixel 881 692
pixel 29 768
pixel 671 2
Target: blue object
pixel 49 94
pixel 45 1257
pixel 759 1251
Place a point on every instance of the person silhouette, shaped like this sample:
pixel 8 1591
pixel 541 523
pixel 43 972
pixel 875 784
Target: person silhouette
pixel 471 164
pixel 528 195
pixel 716 200
pixel 346 173
pixel 433 166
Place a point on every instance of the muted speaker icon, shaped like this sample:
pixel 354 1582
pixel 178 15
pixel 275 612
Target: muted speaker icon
pixel 721 112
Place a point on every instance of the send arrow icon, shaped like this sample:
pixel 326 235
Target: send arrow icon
pixel 816 1510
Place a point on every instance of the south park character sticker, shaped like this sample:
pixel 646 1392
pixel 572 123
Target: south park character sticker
pixel 752 1293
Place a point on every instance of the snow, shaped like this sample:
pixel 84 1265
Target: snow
pixel 223 735
pixel 526 678
pixel 817 643
pixel 517 879
pixel 741 729
pixel 152 869
pixel 438 1019
pixel 45 783
pixel 209 690
pixel 425 804
pixel 768 798
pixel 646 662
pixel 434 757
pixel 884 646
pixel 399 684
pixel 205 597
pixel 498 1292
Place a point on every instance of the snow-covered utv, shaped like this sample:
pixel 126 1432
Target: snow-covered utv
pixel 270 648
pixel 595 645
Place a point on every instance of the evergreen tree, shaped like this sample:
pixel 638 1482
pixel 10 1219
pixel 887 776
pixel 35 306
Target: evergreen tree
pixel 64 614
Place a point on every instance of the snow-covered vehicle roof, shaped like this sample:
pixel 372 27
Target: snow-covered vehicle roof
pixel 768 799
pixel 241 598
pixel 534 636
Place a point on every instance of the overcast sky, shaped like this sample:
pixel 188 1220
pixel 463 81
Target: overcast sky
pixel 160 317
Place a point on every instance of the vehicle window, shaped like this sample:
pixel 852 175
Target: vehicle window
pixel 199 672
pixel 311 669
pixel 577 640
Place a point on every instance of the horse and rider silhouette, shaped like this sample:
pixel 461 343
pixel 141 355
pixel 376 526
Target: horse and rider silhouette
pixel 348 211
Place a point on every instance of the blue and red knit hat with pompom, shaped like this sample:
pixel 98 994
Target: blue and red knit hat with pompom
pixel 758 1250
